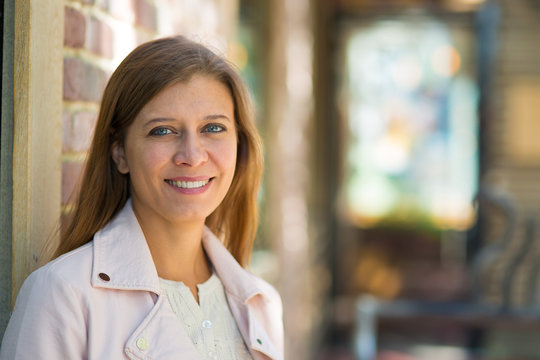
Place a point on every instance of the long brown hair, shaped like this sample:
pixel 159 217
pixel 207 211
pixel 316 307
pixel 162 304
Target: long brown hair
pixel 146 71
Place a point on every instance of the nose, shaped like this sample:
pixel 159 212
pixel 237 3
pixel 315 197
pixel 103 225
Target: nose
pixel 190 151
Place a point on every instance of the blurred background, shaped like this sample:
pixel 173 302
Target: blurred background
pixel 399 210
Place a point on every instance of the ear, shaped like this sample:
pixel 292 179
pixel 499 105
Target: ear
pixel 119 158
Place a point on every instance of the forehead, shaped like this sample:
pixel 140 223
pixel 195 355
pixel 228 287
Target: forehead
pixel 198 91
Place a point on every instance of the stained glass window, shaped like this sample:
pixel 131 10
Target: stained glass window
pixel 409 98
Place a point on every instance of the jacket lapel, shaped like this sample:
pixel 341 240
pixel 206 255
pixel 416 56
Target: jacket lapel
pixel 161 336
pixel 258 338
pixel 255 336
pixel 242 290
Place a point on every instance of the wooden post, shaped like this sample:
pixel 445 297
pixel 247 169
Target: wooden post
pixel 37 132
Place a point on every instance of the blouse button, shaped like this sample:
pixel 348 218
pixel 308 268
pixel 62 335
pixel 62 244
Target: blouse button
pixel 142 343
pixel 207 324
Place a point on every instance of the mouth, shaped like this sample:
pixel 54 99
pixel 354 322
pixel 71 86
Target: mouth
pixel 188 184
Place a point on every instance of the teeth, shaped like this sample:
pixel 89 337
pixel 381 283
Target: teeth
pixel 188 184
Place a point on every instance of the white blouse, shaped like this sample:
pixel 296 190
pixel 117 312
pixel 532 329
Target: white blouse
pixel 209 324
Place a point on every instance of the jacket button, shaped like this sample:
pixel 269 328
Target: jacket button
pixel 207 324
pixel 104 277
pixel 142 343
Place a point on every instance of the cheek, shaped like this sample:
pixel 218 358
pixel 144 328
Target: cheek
pixel 145 160
pixel 226 157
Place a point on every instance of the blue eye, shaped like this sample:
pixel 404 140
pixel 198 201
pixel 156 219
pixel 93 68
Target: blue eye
pixel 214 128
pixel 160 131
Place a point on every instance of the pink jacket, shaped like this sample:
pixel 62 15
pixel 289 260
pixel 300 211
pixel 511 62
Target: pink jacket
pixel 103 301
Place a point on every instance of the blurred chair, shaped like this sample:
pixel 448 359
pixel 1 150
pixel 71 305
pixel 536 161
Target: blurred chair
pixel 491 300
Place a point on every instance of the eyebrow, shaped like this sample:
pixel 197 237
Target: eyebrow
pixel 216 116
pixel 205 118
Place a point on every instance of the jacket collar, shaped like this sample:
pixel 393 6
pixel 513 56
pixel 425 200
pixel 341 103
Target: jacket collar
pixel 235 279
pixel 122 260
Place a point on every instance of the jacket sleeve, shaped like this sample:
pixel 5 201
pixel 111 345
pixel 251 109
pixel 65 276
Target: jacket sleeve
pixel 48 321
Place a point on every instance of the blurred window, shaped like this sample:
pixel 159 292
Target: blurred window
pixel 409 97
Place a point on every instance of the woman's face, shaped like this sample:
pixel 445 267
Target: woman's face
pixel 180 152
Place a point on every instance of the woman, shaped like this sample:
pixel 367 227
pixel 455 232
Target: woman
pixel 139 273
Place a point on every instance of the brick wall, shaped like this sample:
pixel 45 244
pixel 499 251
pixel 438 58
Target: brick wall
pixel 98 34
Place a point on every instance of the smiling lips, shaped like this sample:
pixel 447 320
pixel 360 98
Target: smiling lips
pixel 189 186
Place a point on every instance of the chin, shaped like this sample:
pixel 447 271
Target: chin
pixel 187 217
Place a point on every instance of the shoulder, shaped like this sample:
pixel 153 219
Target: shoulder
pixel 71 270
pixel 51 308
pixel 265 300
pixel 70 267
pixel 269 292
pixel 60 284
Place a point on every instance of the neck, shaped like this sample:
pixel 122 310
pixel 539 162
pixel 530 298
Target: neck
pixel 177 251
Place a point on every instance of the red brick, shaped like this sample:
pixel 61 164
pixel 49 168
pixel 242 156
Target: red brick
pixel 145 14
pixel 66 131
pixel 74 28
pixel 83 81
pixel 83 130
pixel 100 38
pixel 71 177
pixel 104 4
pixel 64 221
pixel 123 10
